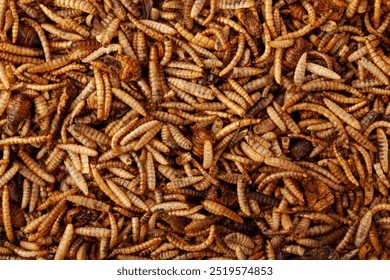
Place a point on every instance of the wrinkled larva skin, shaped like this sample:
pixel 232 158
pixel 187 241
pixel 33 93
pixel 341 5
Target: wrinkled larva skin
pixel 18 110
pixel 195 129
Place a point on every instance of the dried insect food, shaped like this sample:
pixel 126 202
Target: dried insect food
pixel 194 129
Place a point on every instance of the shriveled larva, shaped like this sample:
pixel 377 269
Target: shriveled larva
pixel 237 56
pixel 137 247
pixel 241 195
pixel 137 201
pixel 218 209
pixel 48 222
pixel 322 71
pixel 192 88
pixel 321 217
pixel 184 182
pixel 251 152
pixel 284 164
pixel 76 176
pixel 181 244
pixel 139 131
pixel 383 147
pixel 381 175
pixel 148 136
pixel 7 215
pixel 82 5
pixel 118 192
pixel 89 203
pixel 377 59
pixel 78 149
pixel 169 206
pixel 227 102
pixel 34 166
pixel 294 249
pixel 55 198
pixel 363 229
pixel 299 74
pixel 6 176
pixel 65 242
pixel 342 114
pixel 361 139
pixel 374 70
pixel 93 231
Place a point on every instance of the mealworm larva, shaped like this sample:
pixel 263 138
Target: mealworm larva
pixel 117 192
pixel 29 254
pixel 379 171
pixel 241 91
pixel 299 73
pixel 26 193
pixel 192 88
pixel 363 229
pixel 294 249
pixel 137 201
pixel 383 147
pixel 32 140
pixel 207 154
pixel 148 136
pixel 89 203
pixel 45 225
pixel 93 231
pixel 342 114
pixel 374 70
pixel 218 209
pixel 278 175
pixel 55 198
pixel 6 176
pixel 321 217
pixel 82 5
pixel 76 176
pixel 150 172
pixel 183 245
pixel 196 8
pixel 227 102
pixel 34 166
pixel 322 71
pixel 34 197
pixel 5 205
pixel 114 230
pixel 139 131
pixel 179 138
pixel 169 206
pixel 241 195
pixel 361 138
pixel 129 100
pixel 277 67
pixel 292 186
pixel 251 152
pixel 137 247
pixel 283 163
pixel 377 59
pixel 29 245
pixel 237 56
pixel 276 118
pixel 234 126
pixel 184 182
pixel 65 242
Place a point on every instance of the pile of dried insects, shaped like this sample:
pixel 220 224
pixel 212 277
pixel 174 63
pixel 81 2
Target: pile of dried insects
pixel 194 129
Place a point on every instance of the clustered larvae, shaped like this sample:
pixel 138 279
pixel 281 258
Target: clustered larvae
pixel 179 129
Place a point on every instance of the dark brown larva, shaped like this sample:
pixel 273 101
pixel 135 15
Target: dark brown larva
pixel 27 37
pixel 18 110
pixel 294 53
